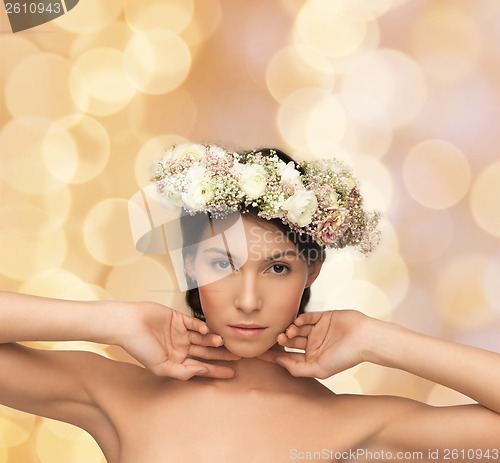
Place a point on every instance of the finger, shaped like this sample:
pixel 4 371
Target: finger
pixel 212 371
pixel 220 372
pixel 194 324
pixel 292 331
pixel 178 370
pixel 308 318
pixel 213 340
pixel 212 353
pixel 295 343
pixel 296 365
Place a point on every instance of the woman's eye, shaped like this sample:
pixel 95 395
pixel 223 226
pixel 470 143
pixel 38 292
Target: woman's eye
pixel 222 264
pixel 280 269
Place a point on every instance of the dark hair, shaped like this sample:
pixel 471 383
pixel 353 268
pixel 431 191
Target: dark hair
pixel 193 226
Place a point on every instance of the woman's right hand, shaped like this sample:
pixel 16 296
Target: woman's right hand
pixel 165 342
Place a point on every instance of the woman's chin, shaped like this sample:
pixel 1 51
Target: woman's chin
pixel 247 350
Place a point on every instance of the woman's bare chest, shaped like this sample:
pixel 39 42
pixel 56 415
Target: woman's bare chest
pixel 249 429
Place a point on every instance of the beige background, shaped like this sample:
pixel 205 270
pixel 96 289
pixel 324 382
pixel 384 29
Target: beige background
pixel 405 91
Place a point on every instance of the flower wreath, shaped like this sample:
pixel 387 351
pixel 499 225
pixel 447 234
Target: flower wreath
pixel 323 202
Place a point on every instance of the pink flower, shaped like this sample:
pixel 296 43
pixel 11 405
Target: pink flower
pixel 326 233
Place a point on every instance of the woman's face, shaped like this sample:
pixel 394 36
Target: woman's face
pixel 254 285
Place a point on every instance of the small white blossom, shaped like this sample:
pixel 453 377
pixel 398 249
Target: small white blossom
pixel 290 174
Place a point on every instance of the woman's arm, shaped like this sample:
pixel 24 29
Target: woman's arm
pixel 161 338
pixel 472 371
pixel 31 318
pixel 337 340
pixel 60 384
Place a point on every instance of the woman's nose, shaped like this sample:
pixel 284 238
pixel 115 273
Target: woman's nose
pixel 247 298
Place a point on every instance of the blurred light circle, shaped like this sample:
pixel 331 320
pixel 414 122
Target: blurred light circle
pixel 115 36
pixel 491 279
pixel 59 152
pixel 76 150
pixel 460 292
pixel 107 235
pixel 313 120
pixel 158 14
pixel 62 442
pixel 23 255
pixel 4 453
pixel 22 166
pixel 436 174
pixel 50 283
pixel 34 215
pixel 98 82
pixel 377 185
pixel 343 64
pixel 157 61
pixel 321 26
pixel 14 433
pixel 326 125
pixel 295 67
pixel 205 22
pixel 364 296
pixel 425 233
pixel 150 153
pixel 389 272
pixel 362 11
pixel 15 49
pixel 143 280
pixel 85 292
pixel 366 110
pixel 444 116
pixel 90 17
pixel 395 81
pixel 27 219
pixel 38 86
pixel 336 272
pixel 485 199
pixel 447 43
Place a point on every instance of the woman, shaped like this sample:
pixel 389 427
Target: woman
pixel 242 397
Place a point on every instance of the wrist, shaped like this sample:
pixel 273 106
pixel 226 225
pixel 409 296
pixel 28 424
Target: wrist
pixel 112 322
pixel 381 340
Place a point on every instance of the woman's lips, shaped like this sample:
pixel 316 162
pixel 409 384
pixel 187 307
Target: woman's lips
pixel 247 331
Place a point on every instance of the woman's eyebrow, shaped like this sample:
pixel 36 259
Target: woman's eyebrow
pixel 224 252
pixel 286 252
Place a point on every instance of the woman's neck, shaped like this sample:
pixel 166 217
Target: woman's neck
pixel 254 374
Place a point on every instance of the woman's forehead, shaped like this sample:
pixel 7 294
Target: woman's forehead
pixel 246 237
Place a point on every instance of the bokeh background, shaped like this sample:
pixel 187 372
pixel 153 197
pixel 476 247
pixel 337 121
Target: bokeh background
pixel 407 92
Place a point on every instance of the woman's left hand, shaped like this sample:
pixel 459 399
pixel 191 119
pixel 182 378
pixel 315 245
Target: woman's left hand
pixel 333 341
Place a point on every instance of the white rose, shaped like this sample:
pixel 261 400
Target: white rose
pixel 198 152
pixel 252 180
pixel 198 190
pixel 171 198
pixel 198 194
pixel 195 173
pixel 300 207
pixel 290 174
